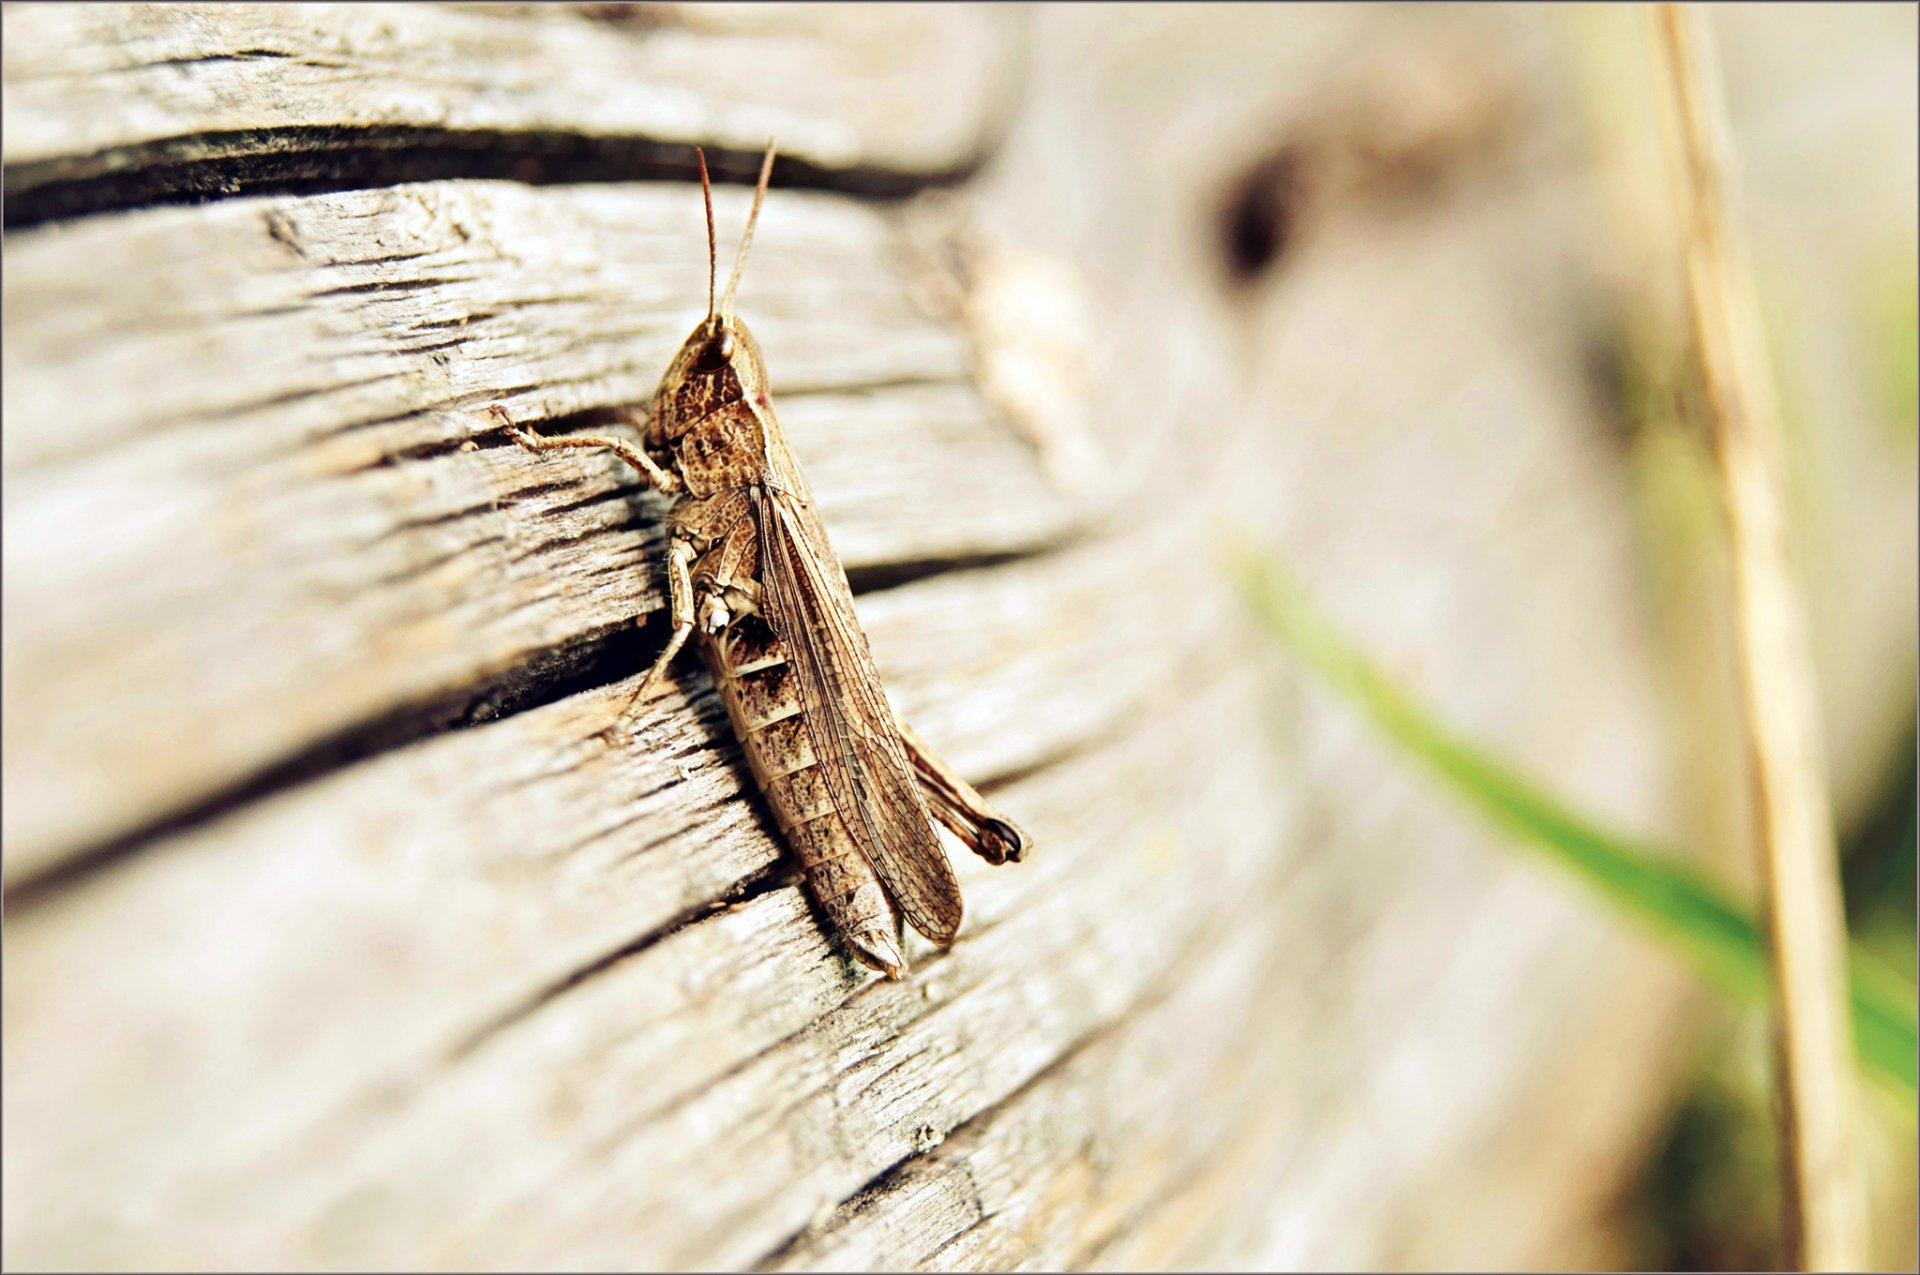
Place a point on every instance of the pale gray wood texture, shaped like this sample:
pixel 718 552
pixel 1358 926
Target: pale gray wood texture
pixel 126 96
pixel 276 439
pixel 340 931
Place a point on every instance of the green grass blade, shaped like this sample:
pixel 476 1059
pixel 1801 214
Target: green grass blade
pixel 1691 914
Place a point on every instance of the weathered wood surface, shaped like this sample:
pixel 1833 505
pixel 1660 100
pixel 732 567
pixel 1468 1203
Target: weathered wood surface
pixel 378 325
pixel 337 932
pixel 116 105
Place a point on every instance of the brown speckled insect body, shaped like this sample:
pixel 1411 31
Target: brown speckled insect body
pixel 750 570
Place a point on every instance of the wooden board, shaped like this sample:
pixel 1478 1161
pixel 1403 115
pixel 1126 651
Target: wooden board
pixel 268 442
pixel 120 105
pixel 341 932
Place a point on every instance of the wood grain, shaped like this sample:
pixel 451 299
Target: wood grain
pixel 115 105
pixel 518 995
pixel 341 933
pixel 402 887
pixel 267 441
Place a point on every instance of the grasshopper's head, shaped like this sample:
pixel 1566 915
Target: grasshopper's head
pixel 719 361
pixel 720 342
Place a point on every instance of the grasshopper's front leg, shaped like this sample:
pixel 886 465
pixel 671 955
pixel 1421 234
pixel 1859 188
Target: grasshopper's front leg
pixel 680 550
pixel 656 477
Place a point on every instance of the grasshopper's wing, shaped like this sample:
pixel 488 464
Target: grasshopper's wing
pixel 855 736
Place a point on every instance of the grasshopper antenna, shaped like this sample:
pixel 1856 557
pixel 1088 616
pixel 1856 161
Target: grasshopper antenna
pixel 746 241
pixel 713 252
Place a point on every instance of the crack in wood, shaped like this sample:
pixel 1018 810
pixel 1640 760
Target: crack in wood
pixel 962 1233
pixel 542 678
pixel 777 876
pixel 237 55
pixel 310 160
pixel 583 663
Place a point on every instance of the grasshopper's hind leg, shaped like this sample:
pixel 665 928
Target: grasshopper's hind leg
pixel 963 810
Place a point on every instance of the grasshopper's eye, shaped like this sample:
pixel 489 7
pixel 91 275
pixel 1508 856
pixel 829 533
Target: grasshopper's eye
pixel 725 348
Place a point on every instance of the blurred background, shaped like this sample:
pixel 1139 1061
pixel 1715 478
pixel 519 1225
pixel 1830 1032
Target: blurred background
pixel 1282 479
pixel 1449 258
pixel 1448 254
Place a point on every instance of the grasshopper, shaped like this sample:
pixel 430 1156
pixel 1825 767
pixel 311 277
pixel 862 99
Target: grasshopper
pixel 750 571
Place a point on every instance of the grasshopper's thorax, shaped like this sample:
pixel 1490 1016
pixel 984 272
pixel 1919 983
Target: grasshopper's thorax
pixel 713 411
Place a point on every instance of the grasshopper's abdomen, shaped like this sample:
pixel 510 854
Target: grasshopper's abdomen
pixel 749 664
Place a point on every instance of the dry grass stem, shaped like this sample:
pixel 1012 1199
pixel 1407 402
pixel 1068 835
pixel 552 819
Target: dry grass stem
pixel 1799 866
